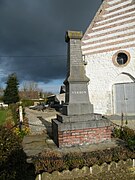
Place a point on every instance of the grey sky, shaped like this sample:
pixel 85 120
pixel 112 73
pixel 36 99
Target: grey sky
pixel 37 28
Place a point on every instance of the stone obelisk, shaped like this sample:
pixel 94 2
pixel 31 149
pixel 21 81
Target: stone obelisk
pixel 78 125
pixel 77 98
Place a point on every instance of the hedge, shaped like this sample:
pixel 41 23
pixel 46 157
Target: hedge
pixel 13 163
pixel 49 161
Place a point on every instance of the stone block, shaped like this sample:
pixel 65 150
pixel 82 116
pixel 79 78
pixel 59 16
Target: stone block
pixel 85 171
pixel 74 124
pixel 113 166
pixel 121 164
pixel 75 172
pixel 77 109
pixel 55 175
pixel 96 169
pixel 104 167
pixel 80 118
pixel 46 176
pixel 73 35
pixel 66 174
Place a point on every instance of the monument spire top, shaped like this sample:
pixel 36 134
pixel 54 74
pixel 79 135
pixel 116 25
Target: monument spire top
pixel 73 35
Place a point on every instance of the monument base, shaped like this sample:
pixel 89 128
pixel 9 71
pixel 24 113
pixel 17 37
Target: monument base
pixel 67 131
pixel 77 109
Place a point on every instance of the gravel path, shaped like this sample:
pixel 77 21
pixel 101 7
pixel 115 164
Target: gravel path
pixel 40 131
pixel 38 119
pixel 40 137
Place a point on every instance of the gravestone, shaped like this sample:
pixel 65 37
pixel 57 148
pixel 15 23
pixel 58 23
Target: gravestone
pixel 78 125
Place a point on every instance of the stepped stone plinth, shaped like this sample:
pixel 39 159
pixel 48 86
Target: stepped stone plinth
pixel 78 125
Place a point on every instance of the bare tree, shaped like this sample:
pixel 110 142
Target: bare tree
pixel 30 86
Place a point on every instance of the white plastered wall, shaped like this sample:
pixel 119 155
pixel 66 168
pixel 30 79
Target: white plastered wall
pixel 103 75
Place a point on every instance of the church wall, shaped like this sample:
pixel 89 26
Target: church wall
pixel 103 74
pixel 111 31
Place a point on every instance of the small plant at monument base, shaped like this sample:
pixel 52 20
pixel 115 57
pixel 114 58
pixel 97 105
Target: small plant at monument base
pixel 22 132
pixel 126 134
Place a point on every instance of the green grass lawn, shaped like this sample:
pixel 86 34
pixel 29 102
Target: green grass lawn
pixel 3 116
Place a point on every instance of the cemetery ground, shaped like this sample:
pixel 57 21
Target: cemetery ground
pixel 40 139
pixel 18 161
pixel 4 114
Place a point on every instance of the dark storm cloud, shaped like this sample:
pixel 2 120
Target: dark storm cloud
pixel 37 28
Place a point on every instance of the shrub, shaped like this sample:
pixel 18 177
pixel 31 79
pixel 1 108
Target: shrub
pixel 73 160
pixel 13 163
pixel 104 156
pixel 48 161
pixel 129 136
pixel 15 113
pixel 9 148
pixel 90 158
pixel 116 132
pixel 27 103
pixel 126 134
pixel 21 132
pixel 8 142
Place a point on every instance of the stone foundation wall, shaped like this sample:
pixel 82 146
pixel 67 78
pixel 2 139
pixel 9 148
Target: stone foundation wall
pixel 121 170
pixel 83 136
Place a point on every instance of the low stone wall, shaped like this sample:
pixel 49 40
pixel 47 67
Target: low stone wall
pixel 86 171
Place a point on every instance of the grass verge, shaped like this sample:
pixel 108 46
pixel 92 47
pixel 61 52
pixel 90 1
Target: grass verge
pixel 3 116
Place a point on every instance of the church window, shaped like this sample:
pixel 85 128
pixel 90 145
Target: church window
pixel 121 58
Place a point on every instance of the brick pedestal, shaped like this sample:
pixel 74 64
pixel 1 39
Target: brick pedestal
pixel 67 131
pixel 83 136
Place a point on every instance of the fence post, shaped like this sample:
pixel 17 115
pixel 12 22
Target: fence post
pixel 20 116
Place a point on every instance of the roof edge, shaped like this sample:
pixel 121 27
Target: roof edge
pixel 94 19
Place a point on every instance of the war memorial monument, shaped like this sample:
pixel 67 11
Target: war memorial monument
pixel 78 124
